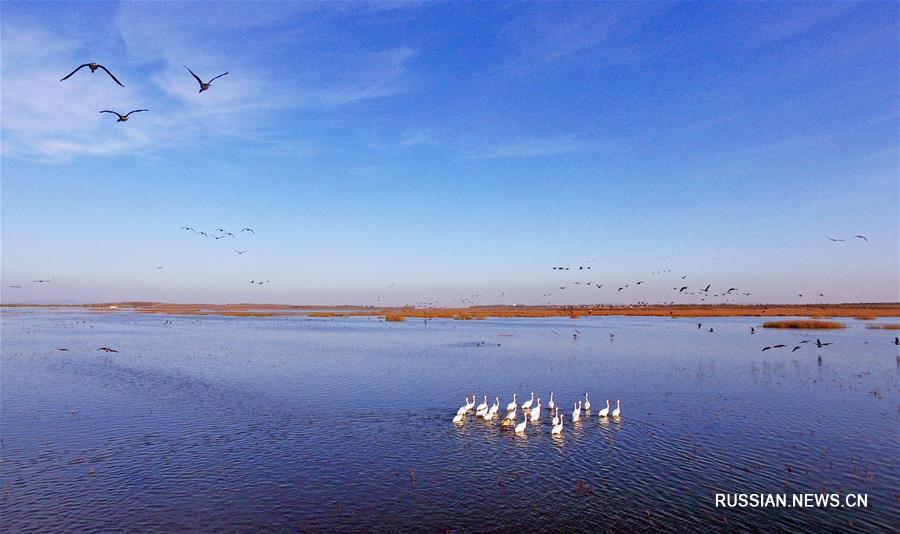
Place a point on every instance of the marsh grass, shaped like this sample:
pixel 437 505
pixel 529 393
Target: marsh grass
pixel 883 326
pixel 806 325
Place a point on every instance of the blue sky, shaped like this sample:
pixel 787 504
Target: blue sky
pixel 440 152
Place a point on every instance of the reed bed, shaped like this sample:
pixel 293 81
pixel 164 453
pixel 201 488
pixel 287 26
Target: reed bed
pixel 806 325
pixel 883 326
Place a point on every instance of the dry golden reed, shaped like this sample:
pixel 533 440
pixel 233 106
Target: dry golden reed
pixel 809 325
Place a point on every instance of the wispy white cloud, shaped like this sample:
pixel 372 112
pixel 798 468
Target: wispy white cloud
pixel 541 147
pixel 55 121
pixel 549 33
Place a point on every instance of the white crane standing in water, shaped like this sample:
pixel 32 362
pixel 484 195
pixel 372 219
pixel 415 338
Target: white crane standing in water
pixel 605 411
pixel 536 412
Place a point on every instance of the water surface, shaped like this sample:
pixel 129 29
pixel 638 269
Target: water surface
pixel 298 423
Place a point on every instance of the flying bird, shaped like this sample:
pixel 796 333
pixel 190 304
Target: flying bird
pixel 682 289
pixel 795 348
pixel 107 349
pixel 240 251
pixel 866 239
pixel 40 281
pixel 203 86
pixel 248 230
pixel 123 118
pixel 819 344
pixel 63 350
pixel 833 239
pixel 93 67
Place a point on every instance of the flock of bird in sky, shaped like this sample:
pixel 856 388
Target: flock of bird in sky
pixel 221 233
pixel 123 118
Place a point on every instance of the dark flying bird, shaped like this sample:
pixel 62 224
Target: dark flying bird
pixel 240 251
pixel 63 350
pixel 203 86
pixel 123 118
pixel 897 341
pixel 107 349
pixel 819 344
pixel 699 325
pixel 752 330
pixel 795 348
pixel 188 228
pixel 707 288
pixel 833 239
pixel 862 237
pixel 682 289
pixel 93 67
pixel 40 281
pixel 683 277
pixel 248 230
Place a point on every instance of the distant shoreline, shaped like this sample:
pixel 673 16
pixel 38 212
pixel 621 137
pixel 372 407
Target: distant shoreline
pixel 864 311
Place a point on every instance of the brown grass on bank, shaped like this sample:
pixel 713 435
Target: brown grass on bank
pixel 812 311
pixel 394 317
pixel 810 325
pixel 884 326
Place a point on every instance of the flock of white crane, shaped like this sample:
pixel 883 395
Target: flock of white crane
pixel 531 412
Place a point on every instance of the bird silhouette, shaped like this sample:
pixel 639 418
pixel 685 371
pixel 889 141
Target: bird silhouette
pixel 93 67
pixel 107 349
pixel 862 237
pixel 835 239
pixel 240 251
pixel 203 86
pixel 248 230
pixel 123 118
pixel 819 344
pixel 795 348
